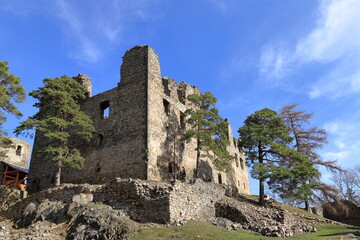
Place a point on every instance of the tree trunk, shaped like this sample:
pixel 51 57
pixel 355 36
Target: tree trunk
pixel 57 176
pixel 307 206
pixel 261 192
pixel 261 180
pixel 197 158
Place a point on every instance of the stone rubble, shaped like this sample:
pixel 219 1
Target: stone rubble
pixel 84 212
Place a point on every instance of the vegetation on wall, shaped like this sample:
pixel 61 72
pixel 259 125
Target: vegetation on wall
pixel 60 120
pixel 209 129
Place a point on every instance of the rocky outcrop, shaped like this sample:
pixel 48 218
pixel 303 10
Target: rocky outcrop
pixel 99 221
pixel 109 211
pixel 269 221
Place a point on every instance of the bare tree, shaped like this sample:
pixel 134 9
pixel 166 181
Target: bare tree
pixel 348 183
pixel 307 140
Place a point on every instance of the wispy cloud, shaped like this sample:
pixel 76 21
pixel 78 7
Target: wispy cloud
pixel 333 41
pixel 90 29
pixel 273 62
pixel 343 136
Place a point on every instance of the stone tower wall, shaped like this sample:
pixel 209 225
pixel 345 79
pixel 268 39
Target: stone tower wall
pixel 118 147
pixel 18 154
pixel 140 135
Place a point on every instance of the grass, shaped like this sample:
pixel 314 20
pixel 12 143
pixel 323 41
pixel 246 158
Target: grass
pixel 194 230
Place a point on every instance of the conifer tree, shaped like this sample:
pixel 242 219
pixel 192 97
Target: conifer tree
pixel 209 130
pixel 307 140
pixel 11 92
pixel 264 137
pixel 60 120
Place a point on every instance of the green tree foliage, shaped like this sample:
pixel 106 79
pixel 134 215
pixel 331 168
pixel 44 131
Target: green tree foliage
pixel 307 140
pixel 264 137
pixel 60 120
pixel 11 92
pixel 209 130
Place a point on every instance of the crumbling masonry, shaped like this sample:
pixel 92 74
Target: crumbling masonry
pixel 138 128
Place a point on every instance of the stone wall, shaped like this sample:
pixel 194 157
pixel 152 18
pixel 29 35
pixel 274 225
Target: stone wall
pixel 138 133
pixel 194 201
pixel 18 154
pixel 162 202
pixel 142 201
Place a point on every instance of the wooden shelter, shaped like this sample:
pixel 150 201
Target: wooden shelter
pixel 14 176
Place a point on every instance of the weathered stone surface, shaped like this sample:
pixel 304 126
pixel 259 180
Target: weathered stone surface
pixel 8 197
pixel 140 137
pixel 100 222
pixel 52 211
pixel 269 221
pixel 18 154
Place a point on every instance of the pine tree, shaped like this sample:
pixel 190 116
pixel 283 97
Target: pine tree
pixel 59 120
pixel 209 130
pixel 11 92
pixel 264 137
pixel 307 141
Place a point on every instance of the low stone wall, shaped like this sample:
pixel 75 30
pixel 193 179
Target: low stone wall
pixel 142 201
pixel 194 201
pixel 162 202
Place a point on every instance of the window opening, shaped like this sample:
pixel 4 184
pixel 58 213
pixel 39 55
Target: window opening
pixel 105 109
pixel 242 163
pixel 18 150
pixel 101 138
pixel 219 178
pixel 166 107
pixel 165 83
pixel 170 168
pixel 238 183
pixel 236 160
pixel 181 96
pixel 182 121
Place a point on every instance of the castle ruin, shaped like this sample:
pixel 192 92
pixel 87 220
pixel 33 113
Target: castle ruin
pixel 138 129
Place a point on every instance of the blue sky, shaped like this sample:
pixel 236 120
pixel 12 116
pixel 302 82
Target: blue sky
pixel 251 54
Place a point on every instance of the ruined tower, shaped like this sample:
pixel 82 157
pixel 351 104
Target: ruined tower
pixel 138 126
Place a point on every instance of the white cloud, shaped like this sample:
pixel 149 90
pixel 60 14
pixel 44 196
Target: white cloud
pixel 273 62
pixel 90 28
pixel 340 156
pixel 344 141
pixel 334 40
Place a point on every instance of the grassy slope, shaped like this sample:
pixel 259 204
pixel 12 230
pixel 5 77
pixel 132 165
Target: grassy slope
pixel 202 230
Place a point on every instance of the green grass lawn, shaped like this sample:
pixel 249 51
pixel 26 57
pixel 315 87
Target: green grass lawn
pixel 194 230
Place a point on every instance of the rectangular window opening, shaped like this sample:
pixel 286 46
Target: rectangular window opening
pixel 166 107
pixel 182 121
pixel 105 109
pixel 18 150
